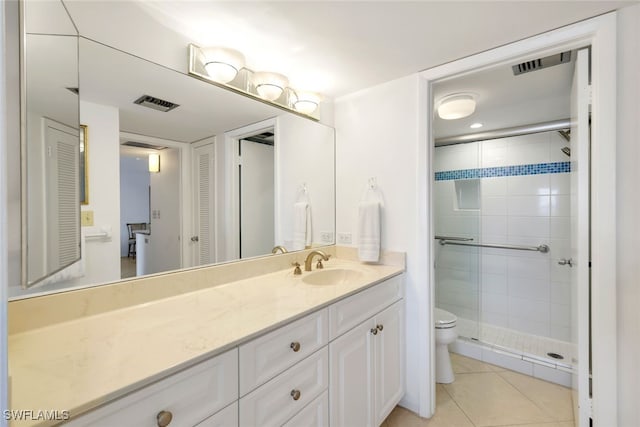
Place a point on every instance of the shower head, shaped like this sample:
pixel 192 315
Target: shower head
pixel 567 151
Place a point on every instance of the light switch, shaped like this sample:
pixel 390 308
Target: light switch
pixel 86 218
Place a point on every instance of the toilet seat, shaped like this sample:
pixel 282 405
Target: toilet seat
pixel 444 319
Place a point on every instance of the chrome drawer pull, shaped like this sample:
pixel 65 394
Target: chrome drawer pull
pixel 295 346
pixel 374 331
pixel 380 327
pixel 295 394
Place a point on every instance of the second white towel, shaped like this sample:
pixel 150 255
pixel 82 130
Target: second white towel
pixel 369 231
pixel 301 226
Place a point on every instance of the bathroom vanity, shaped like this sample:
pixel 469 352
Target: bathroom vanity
pixel 261 347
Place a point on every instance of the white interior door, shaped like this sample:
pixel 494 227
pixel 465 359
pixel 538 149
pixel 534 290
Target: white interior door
pixel 256 172
pixel 202 238
pixel 580 239
pixel 63 196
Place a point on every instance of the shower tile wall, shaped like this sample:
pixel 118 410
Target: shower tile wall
pixel 526 291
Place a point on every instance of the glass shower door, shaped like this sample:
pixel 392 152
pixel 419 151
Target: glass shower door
pixel 456 200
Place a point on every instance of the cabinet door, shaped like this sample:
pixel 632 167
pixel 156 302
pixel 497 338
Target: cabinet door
pixel 351 378
pixel 389 360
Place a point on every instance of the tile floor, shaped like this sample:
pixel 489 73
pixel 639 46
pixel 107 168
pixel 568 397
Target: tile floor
pixel 127 267
pixel 487 395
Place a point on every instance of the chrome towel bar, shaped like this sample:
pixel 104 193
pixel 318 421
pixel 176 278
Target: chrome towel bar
pixel 447 241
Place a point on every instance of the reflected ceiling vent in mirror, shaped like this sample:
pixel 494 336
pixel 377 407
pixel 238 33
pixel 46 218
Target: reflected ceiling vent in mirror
pixel 225 68
pixel 262 138
pixel 540 63
pixel 156 103
pixel 143 145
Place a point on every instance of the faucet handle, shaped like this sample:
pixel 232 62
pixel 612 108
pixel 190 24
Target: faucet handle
pixel 296 271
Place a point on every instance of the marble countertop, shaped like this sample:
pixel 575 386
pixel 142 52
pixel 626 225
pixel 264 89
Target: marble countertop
pixel 80 364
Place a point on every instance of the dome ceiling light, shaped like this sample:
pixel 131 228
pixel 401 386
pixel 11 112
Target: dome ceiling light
pixel 456 106
pixel 222 64
pixel 270 85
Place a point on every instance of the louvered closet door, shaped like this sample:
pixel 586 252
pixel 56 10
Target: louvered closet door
pixel 204 252
pixel 63 196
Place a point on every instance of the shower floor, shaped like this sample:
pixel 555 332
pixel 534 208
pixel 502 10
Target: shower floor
pixel 532 348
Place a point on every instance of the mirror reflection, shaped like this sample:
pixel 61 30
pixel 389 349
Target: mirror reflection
pixel 182 173
pixel 51 145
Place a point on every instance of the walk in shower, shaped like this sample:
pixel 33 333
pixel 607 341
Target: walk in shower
pixel 502 226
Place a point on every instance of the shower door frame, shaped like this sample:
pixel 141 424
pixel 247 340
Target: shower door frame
pixel 600 34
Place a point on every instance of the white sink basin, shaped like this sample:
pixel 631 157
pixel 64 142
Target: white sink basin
pixel 334 276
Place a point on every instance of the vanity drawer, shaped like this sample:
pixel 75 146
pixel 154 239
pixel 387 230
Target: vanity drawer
pixel 190 396
pixel 346 314
pixel 228 417
pixel 284 396
pixel 269 355
pixel 315 414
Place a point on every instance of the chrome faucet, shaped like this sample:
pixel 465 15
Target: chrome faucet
pixel 309 260
pixel 279 248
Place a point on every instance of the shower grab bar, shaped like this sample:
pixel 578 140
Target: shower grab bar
pixel 542 248
pixel 460 239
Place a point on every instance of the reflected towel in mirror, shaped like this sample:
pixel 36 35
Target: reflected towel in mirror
pixel 301 226
pixel 369 231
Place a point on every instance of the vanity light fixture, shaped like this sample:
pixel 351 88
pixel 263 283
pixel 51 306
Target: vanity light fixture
pixel 476 125
pixel 222 64
pixel 456 106
pixel 226 68
pixel 154 162
pixel 270 85
pixel 306 102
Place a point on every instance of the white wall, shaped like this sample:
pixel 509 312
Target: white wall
pixel 102 255
pixel 378 135
pixel 524 291
pixel 134 196
pixel 628 206
pixel 305 155
pixel 164 245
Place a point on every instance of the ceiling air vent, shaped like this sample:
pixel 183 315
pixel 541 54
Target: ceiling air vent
pixel 540 63
pixel 262 138
pixel 155 103
pixel 143 145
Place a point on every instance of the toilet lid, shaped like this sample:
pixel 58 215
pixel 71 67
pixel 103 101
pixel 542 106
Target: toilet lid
pixel 443 317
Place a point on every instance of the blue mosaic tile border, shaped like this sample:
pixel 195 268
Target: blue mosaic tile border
pixel 533 169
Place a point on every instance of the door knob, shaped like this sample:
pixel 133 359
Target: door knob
pixel 568 262
pixel 194 238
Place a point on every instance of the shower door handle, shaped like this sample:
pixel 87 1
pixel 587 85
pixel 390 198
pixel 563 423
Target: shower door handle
pixel 568 262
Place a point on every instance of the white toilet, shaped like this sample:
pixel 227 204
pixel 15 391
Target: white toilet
pixel 446 333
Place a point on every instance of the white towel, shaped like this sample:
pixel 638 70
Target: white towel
pixel 301 226
pixel 369 231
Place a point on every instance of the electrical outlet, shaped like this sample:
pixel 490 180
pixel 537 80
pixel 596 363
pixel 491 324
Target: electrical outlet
pixel 86 218
pixel 326 236
pixel 344 238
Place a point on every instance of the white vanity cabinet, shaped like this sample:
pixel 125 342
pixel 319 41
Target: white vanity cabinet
pixel 367 362
pixel 342 366
pixel 180 400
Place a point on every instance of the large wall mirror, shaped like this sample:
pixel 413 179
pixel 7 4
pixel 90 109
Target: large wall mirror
pixel 50 141
pixel 235 177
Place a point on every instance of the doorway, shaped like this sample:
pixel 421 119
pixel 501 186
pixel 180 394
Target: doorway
pixel 149 208
pixel 600 34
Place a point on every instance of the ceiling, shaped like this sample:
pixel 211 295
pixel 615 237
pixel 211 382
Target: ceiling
pixel 334 47
pixel 505 100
